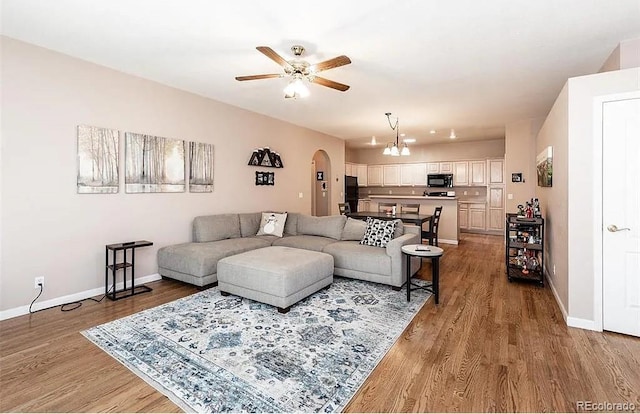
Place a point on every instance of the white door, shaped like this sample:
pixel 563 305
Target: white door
pixel 621 216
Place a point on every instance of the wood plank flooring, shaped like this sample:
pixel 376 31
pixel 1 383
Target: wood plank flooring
pixel 490 345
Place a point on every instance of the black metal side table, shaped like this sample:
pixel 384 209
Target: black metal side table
pixel 125 292
pixel 424 251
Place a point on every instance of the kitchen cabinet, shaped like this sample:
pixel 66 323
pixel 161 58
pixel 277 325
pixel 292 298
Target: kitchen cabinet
pixel 477 214
pixel 413 174
pixel 362 174
pixel 460 173
pixel 374 175
pixel 477 172
pixel 433 167
pixel 446 167
pixel 495 169
pixel 495 216
pixel 364 205
pixel 348 169
pixel 391 174
pixel 463 217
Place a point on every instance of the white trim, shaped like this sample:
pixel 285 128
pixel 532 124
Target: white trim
pixel 582 324
pixel 555 295
pixel 24 310
pixel 598 103
pixel 446 241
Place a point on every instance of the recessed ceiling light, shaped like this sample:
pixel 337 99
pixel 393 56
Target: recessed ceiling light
pixel 373 140
pixel 433 131
pixel 453 134
pixel 409 140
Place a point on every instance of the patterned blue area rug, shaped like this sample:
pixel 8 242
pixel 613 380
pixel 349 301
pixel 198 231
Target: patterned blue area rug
pixel 210 353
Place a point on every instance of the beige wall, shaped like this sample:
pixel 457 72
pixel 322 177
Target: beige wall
pixel 553 200
pixel 625 56
pixel 449 151
pixel 568 206
pixel 49 230
pixel 520 156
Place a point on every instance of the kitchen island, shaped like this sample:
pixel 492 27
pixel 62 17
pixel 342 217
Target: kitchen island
pixel 449 231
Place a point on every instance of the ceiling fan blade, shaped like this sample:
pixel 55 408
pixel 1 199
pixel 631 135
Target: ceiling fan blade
pixel 331 63
pixel 254 77
pixel 329 83
pixel 271 54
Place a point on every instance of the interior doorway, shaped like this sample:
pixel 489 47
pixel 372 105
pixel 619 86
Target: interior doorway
pixel 321 184
pixel 620 218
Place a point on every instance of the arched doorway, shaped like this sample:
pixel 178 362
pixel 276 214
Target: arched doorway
pixel 321 184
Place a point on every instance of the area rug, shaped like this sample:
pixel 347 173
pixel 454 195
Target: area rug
pixel 213 353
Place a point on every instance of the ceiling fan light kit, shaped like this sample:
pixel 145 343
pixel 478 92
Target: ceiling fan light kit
pixel 299 71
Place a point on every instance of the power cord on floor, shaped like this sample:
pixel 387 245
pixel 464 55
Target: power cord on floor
pixel 63 308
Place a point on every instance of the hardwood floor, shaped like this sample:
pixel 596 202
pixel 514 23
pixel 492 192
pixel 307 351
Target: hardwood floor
pixel 490 345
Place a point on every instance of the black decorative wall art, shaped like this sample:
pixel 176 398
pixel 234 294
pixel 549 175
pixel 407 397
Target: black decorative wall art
pixel 264 157
pixel 265 178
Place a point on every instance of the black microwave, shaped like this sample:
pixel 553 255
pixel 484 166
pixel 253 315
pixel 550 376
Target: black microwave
pixel 439 180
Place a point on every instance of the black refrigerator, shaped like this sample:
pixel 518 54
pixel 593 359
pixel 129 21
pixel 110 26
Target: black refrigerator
pixel 351 192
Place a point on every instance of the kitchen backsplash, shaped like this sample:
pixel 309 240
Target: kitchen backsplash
pixel 463 193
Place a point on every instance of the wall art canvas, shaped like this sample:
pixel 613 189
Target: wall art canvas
pixel 200 167
pixel 154 164
pixel 97 160
pixel 544 167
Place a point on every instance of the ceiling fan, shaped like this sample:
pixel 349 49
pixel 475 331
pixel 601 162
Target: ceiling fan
pixel 298 69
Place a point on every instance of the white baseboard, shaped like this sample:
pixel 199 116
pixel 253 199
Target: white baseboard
pixel 446 241
pixel 570 320
pixel 24 310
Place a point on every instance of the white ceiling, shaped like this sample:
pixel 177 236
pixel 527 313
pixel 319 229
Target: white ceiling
pixel 464 64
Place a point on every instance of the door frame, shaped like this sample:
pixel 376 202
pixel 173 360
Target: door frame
pixel 598 226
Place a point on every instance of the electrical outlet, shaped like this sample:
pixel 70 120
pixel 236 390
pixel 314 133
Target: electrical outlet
pixel 465 193
pixel 477 193
pixel 390 192
pixel 412 192
pixel 38 281
pixel 300 195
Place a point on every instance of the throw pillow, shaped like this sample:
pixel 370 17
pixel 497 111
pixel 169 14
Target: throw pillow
pixel 354 230
pixel 272 224
pixel 379 232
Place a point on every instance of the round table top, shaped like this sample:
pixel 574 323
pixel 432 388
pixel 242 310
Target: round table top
pixel 423 250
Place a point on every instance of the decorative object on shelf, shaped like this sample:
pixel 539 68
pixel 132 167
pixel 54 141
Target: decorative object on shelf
pixel 264 157
pixel 98 160
pixel 516 178
pixel 544 167
pixel 265 178
pixel 393 148
pixel 319 175
pixel 154 164
pixel 200 167
pixel 323 186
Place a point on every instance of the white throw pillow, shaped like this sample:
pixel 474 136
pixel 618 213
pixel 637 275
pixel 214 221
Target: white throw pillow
pixel 272 224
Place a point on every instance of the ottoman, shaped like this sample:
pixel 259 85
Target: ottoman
pixel 275 275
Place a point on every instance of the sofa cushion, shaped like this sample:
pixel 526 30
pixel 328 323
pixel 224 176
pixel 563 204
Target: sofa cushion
pixel 291 225
pixel 249 223
pixel 326 226
pixel 399 231
pixel 201 259
pixel 216 227
pixel 379 232
pixel 354 229
pixel 272 224
pixel 315 243
pixel 352 255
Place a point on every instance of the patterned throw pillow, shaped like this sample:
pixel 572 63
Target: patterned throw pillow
pixel 379 232
pixel 272 224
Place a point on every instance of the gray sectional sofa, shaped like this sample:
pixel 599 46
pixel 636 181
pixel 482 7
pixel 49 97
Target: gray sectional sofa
pixel 222 235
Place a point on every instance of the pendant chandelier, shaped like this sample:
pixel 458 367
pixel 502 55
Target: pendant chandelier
pixel 393 148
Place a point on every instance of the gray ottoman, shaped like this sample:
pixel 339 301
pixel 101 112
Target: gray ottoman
pixel 276 275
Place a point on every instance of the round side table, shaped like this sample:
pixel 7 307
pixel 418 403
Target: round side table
pixel 424 251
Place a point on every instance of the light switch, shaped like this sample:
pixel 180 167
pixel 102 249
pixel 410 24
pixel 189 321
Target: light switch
pixel 300 195
pixel 510 196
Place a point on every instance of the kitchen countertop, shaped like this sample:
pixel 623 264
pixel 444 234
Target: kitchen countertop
pixel 414 197
pixel 479 201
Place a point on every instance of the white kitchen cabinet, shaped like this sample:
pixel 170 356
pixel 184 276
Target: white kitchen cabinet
pixel 496 171
pixel 348 169
pixel 477 173
pixel 364 205
pixel 391 174
pixel 374 175
pixel 463 216
pixel 496 216
pixel 460 173
pixel 362 174
pixel 433 167
pixel 477 213
pixel 446 167
pixel 413 174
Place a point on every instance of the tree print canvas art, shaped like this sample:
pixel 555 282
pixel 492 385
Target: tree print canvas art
pixel 154 164
pixel 98 164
